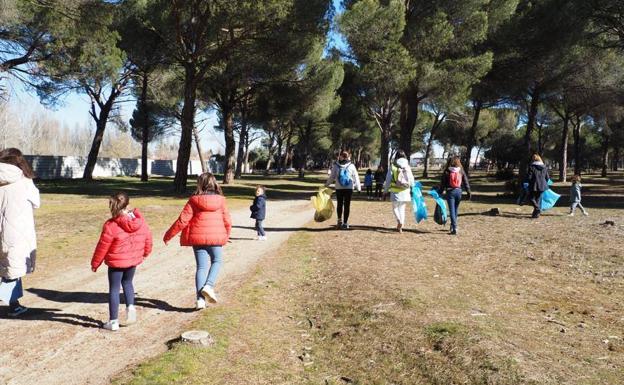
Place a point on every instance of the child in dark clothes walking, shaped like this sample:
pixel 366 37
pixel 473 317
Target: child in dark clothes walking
pixel 258 212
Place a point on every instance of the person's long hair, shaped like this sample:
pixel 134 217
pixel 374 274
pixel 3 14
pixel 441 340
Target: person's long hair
pixel 16 158
pixel 207 184
pixel 536 158
pixel 455 162
pixel 118 203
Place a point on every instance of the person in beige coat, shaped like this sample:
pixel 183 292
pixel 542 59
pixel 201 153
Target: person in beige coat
pixel 18 198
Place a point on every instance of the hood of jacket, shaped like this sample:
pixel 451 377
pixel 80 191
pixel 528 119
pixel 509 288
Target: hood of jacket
pixel 9 173
pixel 343 163
pixel 207 202
pixel 261 197
pixel 130 222
pixel 454 169
pixel 538 165
pixel 401 163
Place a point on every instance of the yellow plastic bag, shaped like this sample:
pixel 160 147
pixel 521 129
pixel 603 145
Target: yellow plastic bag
pixel 323 204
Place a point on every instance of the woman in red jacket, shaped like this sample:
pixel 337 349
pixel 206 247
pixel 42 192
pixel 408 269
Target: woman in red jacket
pixel 125 242
pixel 206 225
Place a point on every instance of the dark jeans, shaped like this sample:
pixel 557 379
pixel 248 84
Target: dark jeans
pixel 453 197
pixel 378 190
pixel 344 203
pixel 536 201
pixel 369 191
pixel 260 228
pixel 118 278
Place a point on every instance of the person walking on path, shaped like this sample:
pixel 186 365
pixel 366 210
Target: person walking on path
pixel 380 178
pixel 125 242
pixel 18 199
pixel 454 180
pixel 206 225
pixel 537 178
pixel 258 212
pixel 575 196
pixel 399 181
pixel 345 177
pixel 368 183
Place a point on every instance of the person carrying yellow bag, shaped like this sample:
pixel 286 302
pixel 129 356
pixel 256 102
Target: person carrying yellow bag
pixel 323 204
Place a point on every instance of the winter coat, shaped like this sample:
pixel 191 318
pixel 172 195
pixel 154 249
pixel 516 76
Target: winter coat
pixel 368 180
pixel 258 208
pixel 126 241
pixel 405 194
pixel 380 177
pixel 335 176
pixel 18 198
pixel 575 192
pixel 538 177
pixel 445 181
pixel 204 221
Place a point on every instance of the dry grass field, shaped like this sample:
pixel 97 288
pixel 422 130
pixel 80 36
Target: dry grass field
pixel 510 300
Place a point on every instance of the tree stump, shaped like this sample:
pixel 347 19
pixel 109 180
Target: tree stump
pixel 197 337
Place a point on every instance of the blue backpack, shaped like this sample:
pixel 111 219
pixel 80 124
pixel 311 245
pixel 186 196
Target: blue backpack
pixel 344 177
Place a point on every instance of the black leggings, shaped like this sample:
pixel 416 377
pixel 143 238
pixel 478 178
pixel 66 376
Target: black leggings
pixel 344 200
pixel 116 279
pixel 536 201
pixel 369 191
pixel 378 190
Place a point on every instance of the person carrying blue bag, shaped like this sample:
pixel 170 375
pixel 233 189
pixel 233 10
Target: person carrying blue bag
pixel 399 181
pixel 537 178
pixel 453 181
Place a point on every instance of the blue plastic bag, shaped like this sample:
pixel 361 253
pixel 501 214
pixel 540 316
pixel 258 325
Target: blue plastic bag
pixel 549 199
pixel 440 207
pixel 418 202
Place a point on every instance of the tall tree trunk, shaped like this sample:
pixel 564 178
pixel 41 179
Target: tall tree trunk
pixel 230 143
pixel 434 128
pixel 577 146
pixel 533 107
pixel 305 134
pixel 472 138
pixel 200 151
pixel 145 129
pixel 187 123
pixel 240 157
pixel 246 168
pixel 605 156
pixel 384 147
pixel 287 153
pixel 271 148
pixel 476 163
pixel 616 158
pixel 563 160
pixel 100 127
pixel 409 118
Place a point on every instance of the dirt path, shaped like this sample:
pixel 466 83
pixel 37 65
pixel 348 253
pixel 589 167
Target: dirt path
pixel 60 342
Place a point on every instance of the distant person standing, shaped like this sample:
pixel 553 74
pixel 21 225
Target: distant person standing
pixel 537 178
pixel 454 180
pixel 380 178
pixel 399 181
pixel 258 212
pixel 345 177
pixel 18 199
pixel 368 183
pixel 575 196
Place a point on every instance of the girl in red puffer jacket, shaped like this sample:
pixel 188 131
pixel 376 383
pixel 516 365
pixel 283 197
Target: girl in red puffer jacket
pixel 206 225
pixel 125 242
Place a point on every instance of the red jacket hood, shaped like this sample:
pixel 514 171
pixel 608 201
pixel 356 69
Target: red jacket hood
pixel 130 223
pixel 208 202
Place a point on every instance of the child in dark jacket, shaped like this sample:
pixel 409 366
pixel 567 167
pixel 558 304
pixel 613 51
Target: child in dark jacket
pixel 368 183
pixel 125 242
pixel 258 212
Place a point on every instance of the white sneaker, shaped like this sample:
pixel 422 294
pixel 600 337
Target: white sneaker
pixel 571 214
pixel 209 294
pixel 201 304
pixel 131 315
pixel 262 238
pixel 586 213
pixel 112 325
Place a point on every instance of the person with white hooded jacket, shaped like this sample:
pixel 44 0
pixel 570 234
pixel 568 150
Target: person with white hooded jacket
pixel 345 177
pixel 399 182
pixel 18 198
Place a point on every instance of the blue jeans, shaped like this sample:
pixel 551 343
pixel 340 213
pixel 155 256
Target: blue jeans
pixel 453 197
pixel 260 228
pixel 116 279
pixel 209 263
